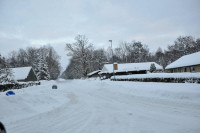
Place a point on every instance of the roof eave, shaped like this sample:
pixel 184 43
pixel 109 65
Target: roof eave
pixel 181 66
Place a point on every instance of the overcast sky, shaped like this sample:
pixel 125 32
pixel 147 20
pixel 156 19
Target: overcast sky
pixel 153 22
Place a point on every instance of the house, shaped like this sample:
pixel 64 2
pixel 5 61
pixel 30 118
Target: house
pixel 187 63
pixel 24 74
pixel 127 69
pixel 93 74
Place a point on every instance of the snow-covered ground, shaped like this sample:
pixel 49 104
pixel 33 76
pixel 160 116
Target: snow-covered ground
pixel 93 106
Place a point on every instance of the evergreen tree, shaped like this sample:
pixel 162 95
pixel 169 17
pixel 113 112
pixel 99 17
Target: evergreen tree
pixel 35 67
pixel 152 68
pixel 42 69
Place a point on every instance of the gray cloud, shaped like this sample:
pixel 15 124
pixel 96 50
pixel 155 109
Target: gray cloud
pixel 154 22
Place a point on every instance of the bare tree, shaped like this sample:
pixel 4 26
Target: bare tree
pixel 80 50
pixel 159 56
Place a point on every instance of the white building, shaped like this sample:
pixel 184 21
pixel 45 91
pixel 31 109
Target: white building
pixel 128 68
pixel 187 63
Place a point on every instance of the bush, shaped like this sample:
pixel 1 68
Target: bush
pixel 152 68
pixel 167 80
pixel 6 87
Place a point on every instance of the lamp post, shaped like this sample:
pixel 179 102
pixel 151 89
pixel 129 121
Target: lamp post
pixel 112 58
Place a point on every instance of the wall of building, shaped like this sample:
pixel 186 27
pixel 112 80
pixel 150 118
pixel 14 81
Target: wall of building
pixel 159 70
pixel 31 76
pixel 184 69
pixel 187 69
pixel 197 68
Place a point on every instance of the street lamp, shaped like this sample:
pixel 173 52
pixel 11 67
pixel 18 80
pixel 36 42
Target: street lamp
pixel 112 58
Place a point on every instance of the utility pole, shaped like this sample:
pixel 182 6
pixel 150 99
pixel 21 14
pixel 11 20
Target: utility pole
pixel 112 58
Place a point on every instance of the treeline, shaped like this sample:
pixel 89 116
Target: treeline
pixel 44 61
pixel 138 52
pixel 85 58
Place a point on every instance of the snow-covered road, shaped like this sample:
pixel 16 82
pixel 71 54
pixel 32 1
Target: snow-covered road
pixel 92 106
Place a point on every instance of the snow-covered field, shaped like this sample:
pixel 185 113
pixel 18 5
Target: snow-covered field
pixel 93 106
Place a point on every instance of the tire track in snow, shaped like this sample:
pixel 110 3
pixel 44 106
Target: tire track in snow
pixel 71 116
pixel 105 110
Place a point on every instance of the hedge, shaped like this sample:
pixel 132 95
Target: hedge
pixel 6 87
pixel 168 80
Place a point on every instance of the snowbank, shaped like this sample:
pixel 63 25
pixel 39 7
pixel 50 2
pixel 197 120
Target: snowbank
pixel 30 101
pixel 159 75
pixel 94 106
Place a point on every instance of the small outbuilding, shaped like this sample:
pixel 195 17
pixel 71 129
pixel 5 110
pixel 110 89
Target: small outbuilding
pixel 128 68
pixel 187 63
pixel 24 74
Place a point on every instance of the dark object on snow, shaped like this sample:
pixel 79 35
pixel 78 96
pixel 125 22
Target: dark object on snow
pixel 2 128
pixel 10 93
pixel 54 87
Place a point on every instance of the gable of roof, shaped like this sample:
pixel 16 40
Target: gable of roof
pixel 125 67
pixel 21 73
pixel 187 60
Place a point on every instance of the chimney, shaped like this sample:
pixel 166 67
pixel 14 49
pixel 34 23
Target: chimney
pixel 115 66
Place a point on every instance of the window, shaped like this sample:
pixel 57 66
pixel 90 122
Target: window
pixel 192 69
pixel 184 69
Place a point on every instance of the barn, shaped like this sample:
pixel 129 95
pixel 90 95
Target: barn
pixel 24 74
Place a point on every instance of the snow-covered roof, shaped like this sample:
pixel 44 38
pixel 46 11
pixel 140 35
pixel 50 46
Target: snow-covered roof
pixel 89 74
pixel 187 60
pixel 125 67
pixel 21 73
